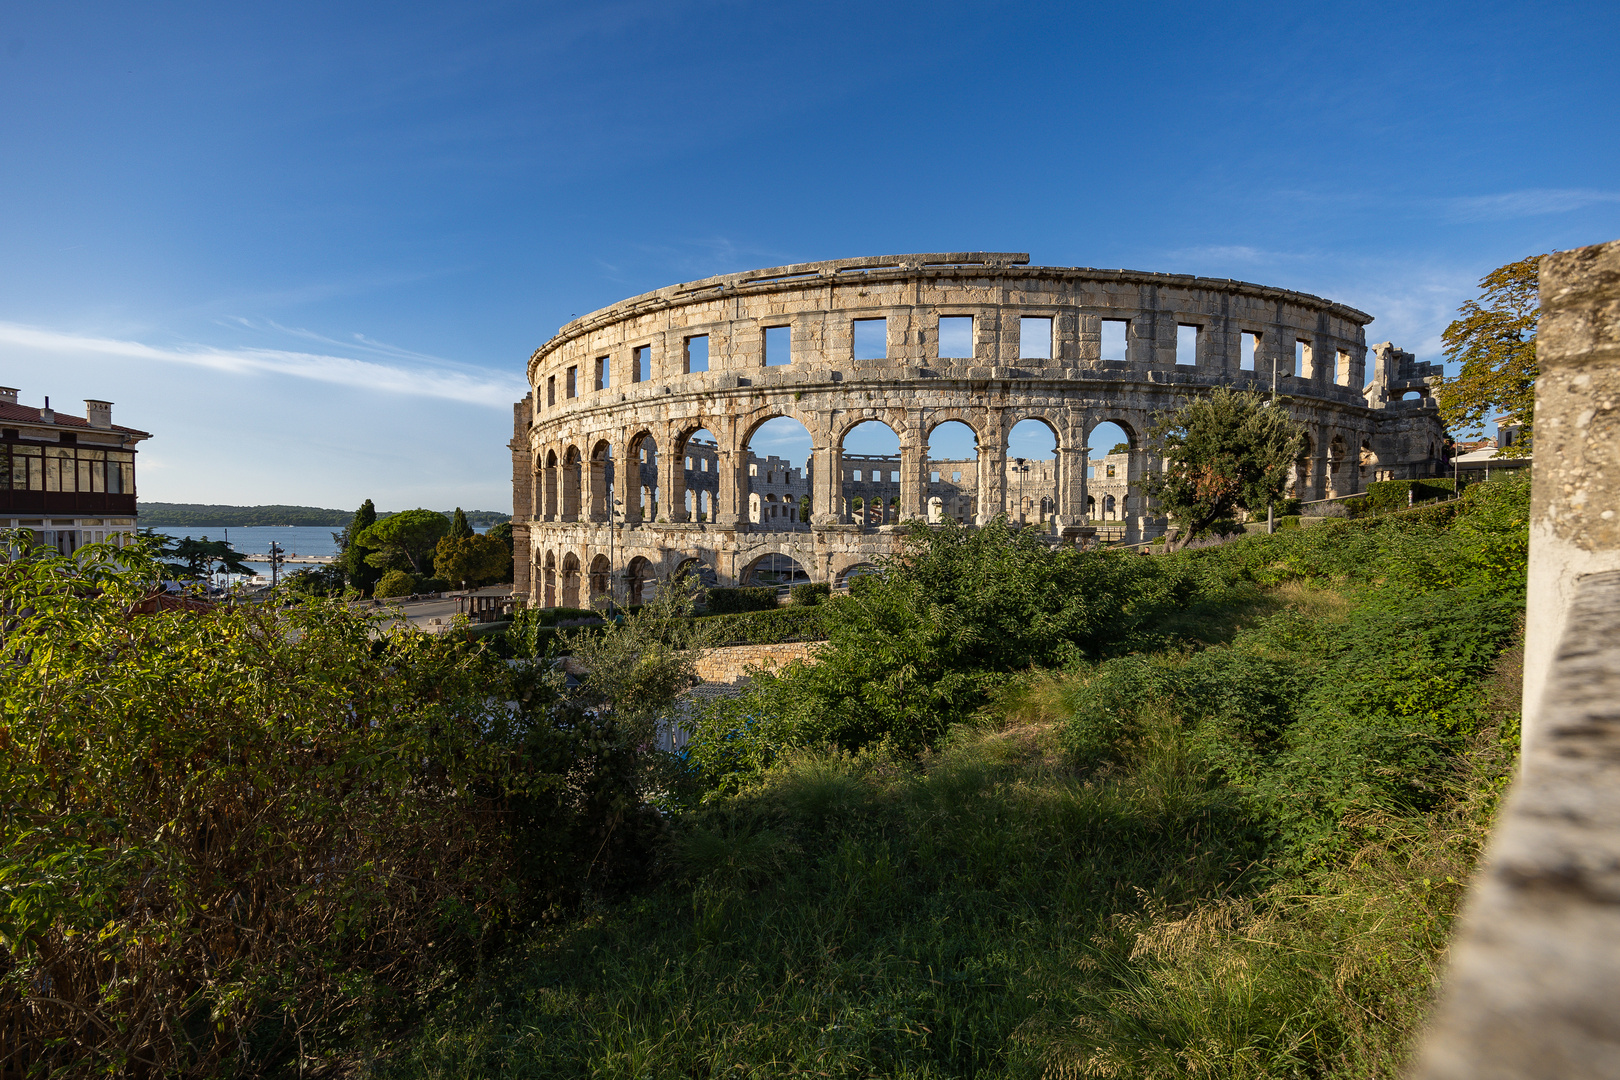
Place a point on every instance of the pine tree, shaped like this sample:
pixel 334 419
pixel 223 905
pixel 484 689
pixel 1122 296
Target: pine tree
pixel 352 558
pixel 459 529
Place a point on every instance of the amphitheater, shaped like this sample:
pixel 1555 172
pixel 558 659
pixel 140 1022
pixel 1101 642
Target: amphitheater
pixel 631 454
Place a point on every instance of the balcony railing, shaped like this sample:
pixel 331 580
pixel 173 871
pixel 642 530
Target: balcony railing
pixel 60 503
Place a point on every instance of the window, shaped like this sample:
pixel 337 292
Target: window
pixel 1035 338
pixel 641 363
pixel 689 463
pixel 604 372
pixel 573 382
pixel 1110 471
pixel 870 338
pixel 856 476
pixel 1342 375
pixel 753 468
pixel 778 345
pixel 1114 345
pixel 956 477
pixel 956 336
pixel 551 390
pixel 1302 358
pixel 1186 344
pixel 934 476
pixel 894 477
pixel 697 354
pixel 1248 345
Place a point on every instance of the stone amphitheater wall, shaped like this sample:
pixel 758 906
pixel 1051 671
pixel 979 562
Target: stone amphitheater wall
pixel 618 386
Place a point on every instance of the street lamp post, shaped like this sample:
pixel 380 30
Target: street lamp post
pixel 275 563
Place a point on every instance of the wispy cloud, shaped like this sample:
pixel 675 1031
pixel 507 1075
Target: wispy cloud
pixel 433 380
pixel 1530 202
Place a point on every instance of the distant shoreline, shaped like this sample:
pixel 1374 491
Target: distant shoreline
pixel 189 515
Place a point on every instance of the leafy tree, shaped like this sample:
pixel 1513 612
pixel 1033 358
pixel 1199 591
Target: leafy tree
pixel 503 533
pixel 351 556
pixel 1229 451
pixel 1121 448
pixel 395 583
pixel 459 529
pixel 474 559
pixel 404 541
pixel 202 558
pixel 325 580
pixel 1495 342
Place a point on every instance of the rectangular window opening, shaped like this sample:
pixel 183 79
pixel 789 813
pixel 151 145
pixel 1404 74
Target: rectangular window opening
pixel 1035 337
pixel 934 477
pixel 1187 345
pixel 604 372
pixel 641 363
pixel 573 382
pixel 894 477
pixel 856 476
pixel 1248 345
pixel 956 337
pixel 697 354
pixel 1342 376
pixel 778 345
pixel 551 390
pixel 1302 359
pixel 1114 346
pixel 870 338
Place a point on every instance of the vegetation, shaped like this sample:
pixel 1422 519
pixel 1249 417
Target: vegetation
pixel 1225 452
pixel 732 601
pixel 404 541
pixel 1495 342
pixel 474 559
pixel 254 839
pixel 1229 841
pixel 187 559
pixel 360 575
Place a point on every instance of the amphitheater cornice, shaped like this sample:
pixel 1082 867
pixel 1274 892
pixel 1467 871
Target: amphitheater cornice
pixel 888 268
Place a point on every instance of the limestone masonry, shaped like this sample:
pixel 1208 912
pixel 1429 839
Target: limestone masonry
pixel 636 383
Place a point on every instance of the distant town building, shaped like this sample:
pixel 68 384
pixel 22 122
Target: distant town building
pixel 68 479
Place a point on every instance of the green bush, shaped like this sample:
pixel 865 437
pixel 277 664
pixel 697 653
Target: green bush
pixel 763 627
pixel 287 827
pixel 1385 495
pixel 810 593
pixel 734 601
pixel 395 583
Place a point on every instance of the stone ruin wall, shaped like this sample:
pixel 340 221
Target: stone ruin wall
pixel 585 533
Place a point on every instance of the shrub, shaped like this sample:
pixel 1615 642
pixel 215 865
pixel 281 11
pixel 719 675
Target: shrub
pixel 764 627
pixel 810 593
pixel 395 583
pixel 1385 495
pixel 734 601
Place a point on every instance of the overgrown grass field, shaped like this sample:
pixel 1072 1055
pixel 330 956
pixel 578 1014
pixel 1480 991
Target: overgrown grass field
pixel 1207 815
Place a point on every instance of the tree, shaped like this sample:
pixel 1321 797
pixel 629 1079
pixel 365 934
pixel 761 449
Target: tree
pixel 404 541
pixel 475 559
pixel 1225 452
pixel 1495 342
pixel 351 556
pixel 201 558
pixel 459 529
pixel 503 533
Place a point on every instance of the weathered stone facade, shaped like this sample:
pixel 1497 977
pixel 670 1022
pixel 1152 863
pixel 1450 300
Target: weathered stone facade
pixel 619 386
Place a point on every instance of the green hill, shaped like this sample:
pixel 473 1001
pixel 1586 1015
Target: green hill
pixel 243 517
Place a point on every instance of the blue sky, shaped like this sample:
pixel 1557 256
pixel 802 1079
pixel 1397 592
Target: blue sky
pixel 310 246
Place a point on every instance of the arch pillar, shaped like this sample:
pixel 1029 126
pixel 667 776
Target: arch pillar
pixel 672 478
pixel 827 488
pixel 992 470
pixel 1071 483
pixel 913 476
pixel 594 483
pixel 731 490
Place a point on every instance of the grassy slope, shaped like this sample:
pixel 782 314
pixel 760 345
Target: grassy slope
pixel 1021 903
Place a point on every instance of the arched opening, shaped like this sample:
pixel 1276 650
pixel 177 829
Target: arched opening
pixel 549 594
pixel 641 584
pixel 570 580
pixel 700 472
pixel 549 502
pixel 776 466
pixel 1338 475
pixel 601 580
pixel 1371 467
pixel 775 570
pixel 1303 482
pixel 701 573
pixel 1108 471
pixel 951 477
pixel 869 473
pixel 641 488
pixel 1031 470
pixel 601 481
pixel 850 574
pixel 571 470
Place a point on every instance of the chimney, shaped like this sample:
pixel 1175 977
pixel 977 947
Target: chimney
pixel 46 415
pixel 98 413
pixel 8 395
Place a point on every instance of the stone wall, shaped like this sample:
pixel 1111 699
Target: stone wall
pixel 1533 988
pixel 728 664
pixel 1036 354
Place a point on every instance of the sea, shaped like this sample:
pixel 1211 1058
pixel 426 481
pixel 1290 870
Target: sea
pixel 294 540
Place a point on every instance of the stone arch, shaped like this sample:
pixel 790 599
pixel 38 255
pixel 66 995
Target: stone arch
pixel 1030 480
pixel 1338 467
pixel 570 580
pixel 694 491
pixel 759 484
pixel 955 484
pixel 599 480
pixel 866 482
pixel 1302 483
pixel 570 483
pixel 1133 502
pixel 549 594
pixel 855 569
pixel 774 567
pixel 549 500
pixel 641 583
pixel 640 481
pixel 601 577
